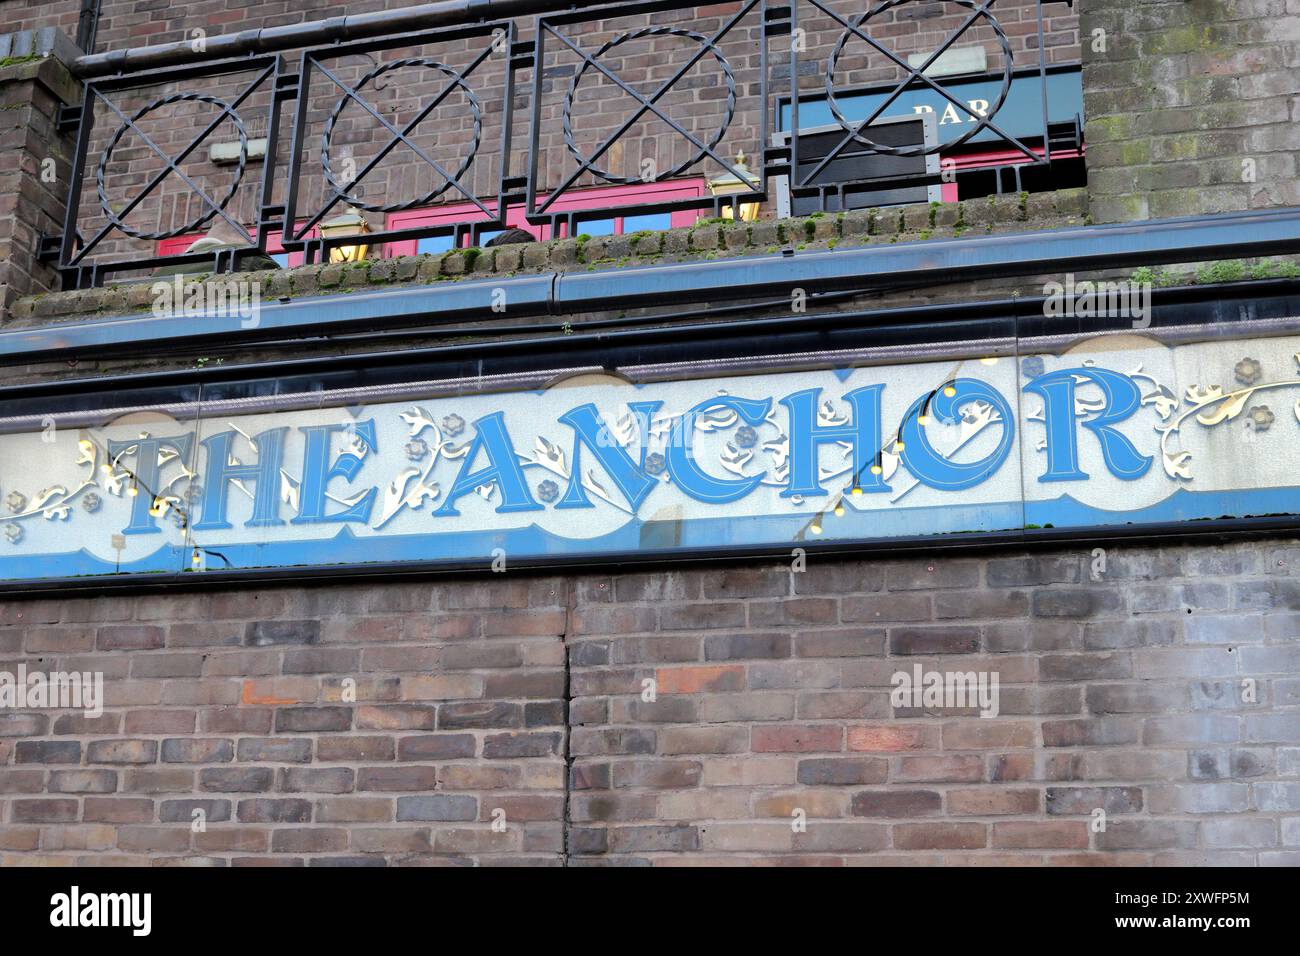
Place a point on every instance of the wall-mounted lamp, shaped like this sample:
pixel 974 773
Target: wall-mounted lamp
pixel 349 223
pixel 729 184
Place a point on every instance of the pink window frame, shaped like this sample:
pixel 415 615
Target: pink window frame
pixel 178 244
pixel 601 197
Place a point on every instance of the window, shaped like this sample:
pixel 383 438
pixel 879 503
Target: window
pixel 982 161
pixel 585 199
pixel 1066 171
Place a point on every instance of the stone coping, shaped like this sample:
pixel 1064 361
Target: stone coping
pixel 707 239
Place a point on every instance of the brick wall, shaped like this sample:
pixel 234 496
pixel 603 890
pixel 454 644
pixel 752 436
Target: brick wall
pixel 239 704
pixel 1120 690
pixel 35 165
pixel 1190 106
pixel 16 15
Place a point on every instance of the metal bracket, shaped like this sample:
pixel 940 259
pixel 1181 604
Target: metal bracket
pixel 47 248
pixel 69 119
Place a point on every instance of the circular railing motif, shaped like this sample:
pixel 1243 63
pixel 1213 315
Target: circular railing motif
pixel 195 224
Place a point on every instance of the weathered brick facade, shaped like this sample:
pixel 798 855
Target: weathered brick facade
pixel 31 94
pixel 1190 106
pixel 729 712
pixel 1121 690
pixel 346 725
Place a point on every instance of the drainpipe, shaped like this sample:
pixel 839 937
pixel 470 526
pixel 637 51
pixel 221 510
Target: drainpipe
pixel 315 33
pixel 88 25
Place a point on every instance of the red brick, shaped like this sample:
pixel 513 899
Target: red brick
pixel 698 680
pixel 129 637
pixel 940 836
pixel 1046 835
pixel 890 738
pixel 808 738
pixel 993 801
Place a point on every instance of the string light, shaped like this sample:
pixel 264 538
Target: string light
pixel 949 391
pixel 839 509
pixel 816 526
pixel 924 417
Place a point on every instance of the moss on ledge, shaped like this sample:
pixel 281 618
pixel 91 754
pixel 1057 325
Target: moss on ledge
pixel 707 239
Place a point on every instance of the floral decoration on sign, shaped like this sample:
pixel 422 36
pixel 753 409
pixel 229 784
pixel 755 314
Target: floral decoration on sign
pixel 1209 406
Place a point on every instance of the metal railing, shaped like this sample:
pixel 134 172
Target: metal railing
pixel 502 62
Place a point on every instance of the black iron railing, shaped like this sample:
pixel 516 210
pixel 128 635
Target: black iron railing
pixel 731 72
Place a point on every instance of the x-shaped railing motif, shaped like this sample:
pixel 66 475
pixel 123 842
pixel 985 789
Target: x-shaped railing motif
pixel 398 136
pixel 172 165
pixel 917 73
pixel 648 104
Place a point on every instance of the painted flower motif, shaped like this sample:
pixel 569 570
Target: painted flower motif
pixel 13 532
pixel 548 491
pixel 193 493
pixel 1261 417
pixel 177 517
pixel 453 425
pixel 1033 366
pixel 416 449
pixel 1248 371
pixel 746 437
pixel 16 502
pixel 655 463
pixel 91 503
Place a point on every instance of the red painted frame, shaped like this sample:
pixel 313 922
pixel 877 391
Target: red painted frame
pixel 178 244
pixel 996 157
pixel 585 199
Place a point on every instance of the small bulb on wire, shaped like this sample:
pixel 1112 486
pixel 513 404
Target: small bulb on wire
pixel 949 391
pixel 839 509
